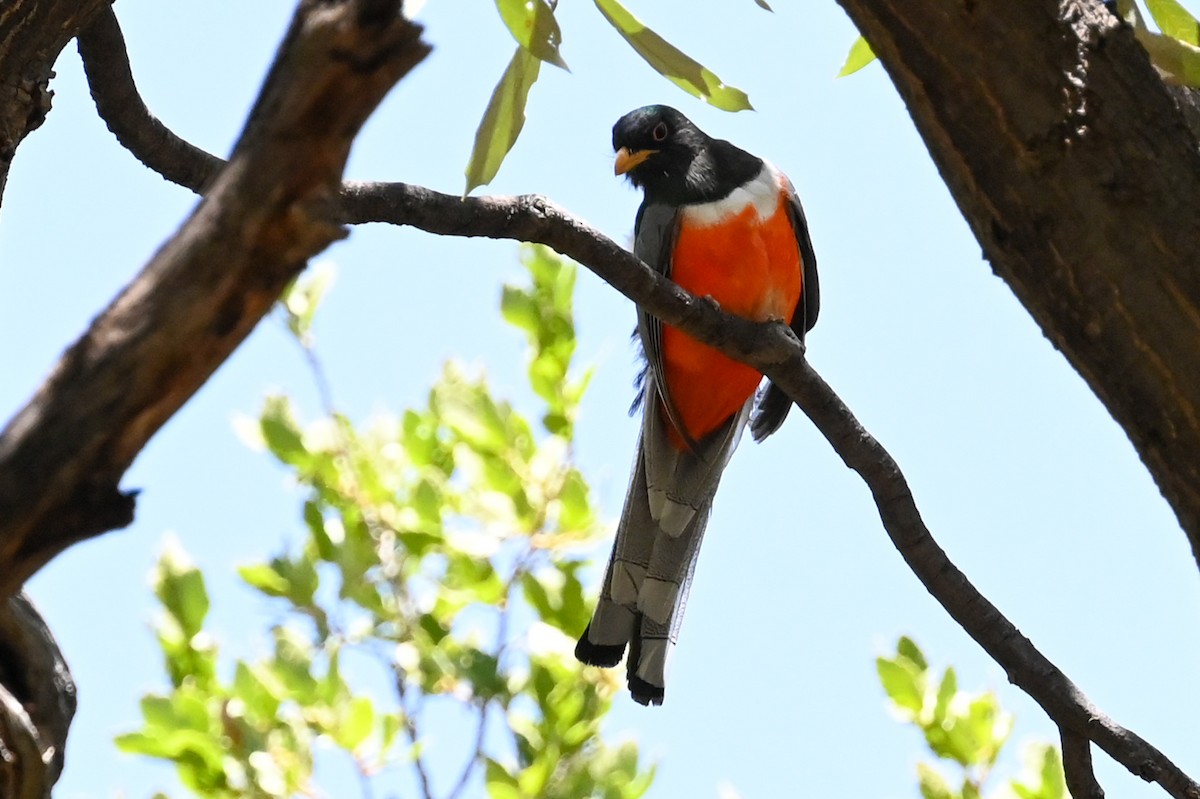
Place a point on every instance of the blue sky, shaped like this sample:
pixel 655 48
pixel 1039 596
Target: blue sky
pixel 1020 472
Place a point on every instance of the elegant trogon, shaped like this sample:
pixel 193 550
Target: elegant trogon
pixel 724 224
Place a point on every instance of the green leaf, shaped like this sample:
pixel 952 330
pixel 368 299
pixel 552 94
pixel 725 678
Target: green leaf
pixel 292 666
pixel 532 780
pixel 932 784
pixel 502 120
pixel 575 510
pixel 500 783
pixel 907 648
pixel 1174 20
pixel 281 433
pixel 390 725
pixel 533 25
pixel 302 297
pixel 469 411
pixel 859 56
pixel 763 5
pixel 314 519
pixel 1054 779
pixel 973 737
pixel 263 577
pixel 902 682
pixel 1043 772
pixel 670 62
pixel 946 692
pixel 519 309
pixel 1128 11
pixel 483 671
pixel 179 585
pixel 1178 60
pixel 258 690
pixel 477 577
pixel 354 723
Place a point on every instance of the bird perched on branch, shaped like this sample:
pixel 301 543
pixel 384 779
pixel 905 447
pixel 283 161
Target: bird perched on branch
pixel 724 224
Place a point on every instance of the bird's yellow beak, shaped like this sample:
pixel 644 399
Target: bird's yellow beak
pixel 627 160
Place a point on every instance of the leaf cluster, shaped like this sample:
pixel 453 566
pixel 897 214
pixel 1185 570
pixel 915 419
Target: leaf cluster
pixel 539 39
pixel 963 729
pixel 426 535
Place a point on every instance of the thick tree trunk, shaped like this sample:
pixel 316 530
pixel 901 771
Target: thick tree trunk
pixel 1077 171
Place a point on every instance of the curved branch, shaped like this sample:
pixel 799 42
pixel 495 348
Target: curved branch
pixel 772 349
pixel 1026 666
pixel 121 107
pixel 37 702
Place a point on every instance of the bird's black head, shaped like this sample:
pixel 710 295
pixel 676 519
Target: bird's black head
pixel 673 161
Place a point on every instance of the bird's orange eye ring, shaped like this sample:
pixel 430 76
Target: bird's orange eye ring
pixel 660 132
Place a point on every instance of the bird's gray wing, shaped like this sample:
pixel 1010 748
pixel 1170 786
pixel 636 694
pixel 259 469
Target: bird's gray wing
pixel 774 403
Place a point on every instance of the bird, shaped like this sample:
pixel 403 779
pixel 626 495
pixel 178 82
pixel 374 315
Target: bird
pixel 726 225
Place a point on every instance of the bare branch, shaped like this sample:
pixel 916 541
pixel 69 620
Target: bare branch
pixel 63 455
pixel 411 732
pixel 1026 666
pixel 102 48
pixel 1077 766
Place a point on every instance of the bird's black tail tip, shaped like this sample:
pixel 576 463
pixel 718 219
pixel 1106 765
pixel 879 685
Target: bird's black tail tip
pixel 773 407
pixel 645 693
pixel 602 655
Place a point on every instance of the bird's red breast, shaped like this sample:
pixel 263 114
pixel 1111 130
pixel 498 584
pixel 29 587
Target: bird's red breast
pixel 749 262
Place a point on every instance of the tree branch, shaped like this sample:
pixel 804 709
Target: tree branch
pixel 772 349
pixel 63 455
pixel 37 702
pixel 102 48
pixel 32 34
pixel 1077 766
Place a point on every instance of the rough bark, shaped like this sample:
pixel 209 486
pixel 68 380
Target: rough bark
pixel 1076 169
pixel 37 702
pixel 32 34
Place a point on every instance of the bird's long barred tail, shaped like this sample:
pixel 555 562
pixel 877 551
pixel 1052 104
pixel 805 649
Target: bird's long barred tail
pixel 644 594
pixel 654 555
pixel 661 604
pixel 617 621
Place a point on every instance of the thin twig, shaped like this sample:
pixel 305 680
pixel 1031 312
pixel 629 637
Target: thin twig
pixel 409 723
pixel 501 645
pixel 325 393
pixel 476 752
pixel 364 778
